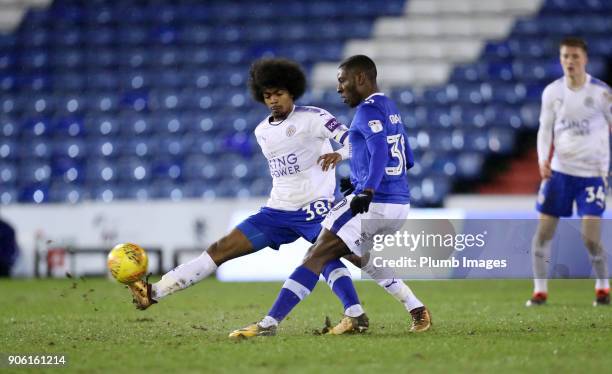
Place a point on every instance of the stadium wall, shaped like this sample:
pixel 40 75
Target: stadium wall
pixel 193 224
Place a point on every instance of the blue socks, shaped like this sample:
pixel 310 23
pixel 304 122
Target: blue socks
pixel 298 286
pixel 303 281
pixel 338 278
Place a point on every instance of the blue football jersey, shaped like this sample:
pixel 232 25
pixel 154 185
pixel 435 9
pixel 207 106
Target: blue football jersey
pixel 380 153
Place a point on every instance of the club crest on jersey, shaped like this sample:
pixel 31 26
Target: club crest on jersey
pixel 291 130
pixel 589 102
pixel 375 126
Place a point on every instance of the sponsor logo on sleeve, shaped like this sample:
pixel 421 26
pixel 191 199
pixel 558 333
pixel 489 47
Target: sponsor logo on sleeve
pixel 375 126
pixel 332 124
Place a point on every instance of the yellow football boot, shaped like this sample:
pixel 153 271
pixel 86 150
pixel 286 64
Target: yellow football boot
pixel 253 330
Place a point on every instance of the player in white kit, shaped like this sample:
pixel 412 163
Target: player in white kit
pixel 296 142
pixel 575 125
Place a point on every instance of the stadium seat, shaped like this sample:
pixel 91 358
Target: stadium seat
pixel 60 192
pixel 33 193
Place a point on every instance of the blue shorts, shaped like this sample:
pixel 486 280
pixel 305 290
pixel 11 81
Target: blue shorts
pixel 557 195
pixel 273 227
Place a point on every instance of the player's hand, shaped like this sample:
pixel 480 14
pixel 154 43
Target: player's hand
pixel 361 202
pixel 545 170
pixel 346 187
pixel 329 160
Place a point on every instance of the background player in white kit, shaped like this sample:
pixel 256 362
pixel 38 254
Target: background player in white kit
pixel 575 125
pixel 296 142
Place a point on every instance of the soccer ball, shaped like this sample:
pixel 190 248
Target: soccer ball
pixel 127 262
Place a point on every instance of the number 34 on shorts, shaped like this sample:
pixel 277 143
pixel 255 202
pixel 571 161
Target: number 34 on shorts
pixel 317 209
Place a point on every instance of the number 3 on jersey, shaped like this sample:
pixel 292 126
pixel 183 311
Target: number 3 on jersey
pixel 319 208
pixel 398 146
pixel 593 195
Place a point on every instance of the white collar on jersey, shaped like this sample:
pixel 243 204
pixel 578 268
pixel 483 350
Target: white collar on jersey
pixel 276 123
pixel 374 94
pixel 587 80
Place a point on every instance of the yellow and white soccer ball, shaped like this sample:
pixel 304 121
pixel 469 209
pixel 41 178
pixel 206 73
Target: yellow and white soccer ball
pixel 127 262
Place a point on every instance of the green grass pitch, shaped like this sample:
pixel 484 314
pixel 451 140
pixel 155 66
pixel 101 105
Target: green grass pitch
pixel 479 326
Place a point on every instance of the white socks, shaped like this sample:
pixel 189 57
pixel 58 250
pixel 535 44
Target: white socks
pixel 540 261
pixel 268 321
pixel 184 276
pixel 354 310
pixel 400 292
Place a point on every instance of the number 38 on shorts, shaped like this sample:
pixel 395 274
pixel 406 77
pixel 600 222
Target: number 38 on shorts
pixel 317 209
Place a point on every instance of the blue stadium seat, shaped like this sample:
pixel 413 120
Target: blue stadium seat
pixel 34 193
pixel 469 165
pixel 199 167
pixel 530 114
pixel 9 149
pixel 66 36
pixel 9 127
pixel 67 170
pixel 43 104
pixel 106 192
pixel 33 171
pixel 99 170
pixel 174 146
pixel 133 124
pixel 138 147
pixel 196 33
pixel 167 189
pixel 102 125
pixel 61 192
pixel 8 174
pixel 68 127
pixel 36 148
pixel 35 127
pixel 133 169
pixel 103 147
pixel 72 147
pixel 8 194
pixel 501 140
pixel 166 168
pixel 476 141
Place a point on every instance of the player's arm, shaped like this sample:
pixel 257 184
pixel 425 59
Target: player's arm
pixel 328 127
pixel 545 133
pixel 370 124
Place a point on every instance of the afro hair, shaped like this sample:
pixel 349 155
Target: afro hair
pixel 280 73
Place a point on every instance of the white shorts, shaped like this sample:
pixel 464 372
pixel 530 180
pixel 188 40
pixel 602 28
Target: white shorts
pixel 386 218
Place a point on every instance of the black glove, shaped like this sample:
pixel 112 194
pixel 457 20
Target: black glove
pixel 346 187
pixel 361 202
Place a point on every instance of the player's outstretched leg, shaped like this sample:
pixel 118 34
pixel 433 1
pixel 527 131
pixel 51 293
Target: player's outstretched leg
pixel 233 245
pixel 300 284
pixel 540 255
pixel 591 235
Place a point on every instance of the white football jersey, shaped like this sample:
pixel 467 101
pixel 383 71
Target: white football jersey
pixel 292 148
pixel 576 124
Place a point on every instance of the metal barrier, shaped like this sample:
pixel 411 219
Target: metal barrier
pixel 57 257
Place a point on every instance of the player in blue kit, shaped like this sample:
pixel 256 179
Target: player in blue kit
pixel 296 142
pixel 380 157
